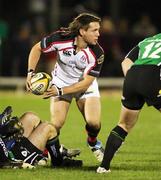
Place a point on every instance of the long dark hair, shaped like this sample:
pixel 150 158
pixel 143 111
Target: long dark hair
pixel 81 21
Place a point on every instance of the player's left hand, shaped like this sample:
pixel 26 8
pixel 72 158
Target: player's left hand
pixel 52 91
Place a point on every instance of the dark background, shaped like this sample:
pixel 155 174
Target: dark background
pixel 17 11
pixel 18 15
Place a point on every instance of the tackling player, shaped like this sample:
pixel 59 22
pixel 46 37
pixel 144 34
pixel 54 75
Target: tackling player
pixel 74 76
pixel 36 136
pixel 142 70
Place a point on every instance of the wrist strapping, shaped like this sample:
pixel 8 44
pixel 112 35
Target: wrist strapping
pixel 30 72
pixel 59 90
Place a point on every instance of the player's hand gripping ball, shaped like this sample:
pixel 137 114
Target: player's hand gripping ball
pixel 40 83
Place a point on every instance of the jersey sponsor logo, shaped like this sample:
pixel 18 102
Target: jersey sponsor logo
pixel 100 59
pixel 24 153
pixel 67 52
pixel 71 62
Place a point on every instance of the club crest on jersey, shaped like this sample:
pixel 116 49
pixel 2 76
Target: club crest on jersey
pixel 83 59
pixel 67 52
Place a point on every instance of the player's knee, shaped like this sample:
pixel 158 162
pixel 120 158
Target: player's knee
pixel 51 130
pixel 32 117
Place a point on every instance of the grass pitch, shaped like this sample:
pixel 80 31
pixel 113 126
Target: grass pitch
pixel 139 157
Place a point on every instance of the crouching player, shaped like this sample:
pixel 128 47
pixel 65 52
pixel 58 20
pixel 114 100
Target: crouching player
pixel 36 137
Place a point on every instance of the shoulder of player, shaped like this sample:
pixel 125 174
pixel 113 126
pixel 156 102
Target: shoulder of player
pixel 58 36
pixel 96 50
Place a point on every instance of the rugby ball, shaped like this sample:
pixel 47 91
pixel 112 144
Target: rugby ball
pixel 40 83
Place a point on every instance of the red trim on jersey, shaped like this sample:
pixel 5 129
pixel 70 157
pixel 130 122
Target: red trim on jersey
pixel 91 68
pixel 92 53
pixel 57 42
pixel 86 55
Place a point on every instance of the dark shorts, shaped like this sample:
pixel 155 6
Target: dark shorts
pixel 142 84
pixel 26 151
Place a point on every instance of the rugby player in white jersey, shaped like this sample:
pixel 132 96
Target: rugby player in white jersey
pixel 79 63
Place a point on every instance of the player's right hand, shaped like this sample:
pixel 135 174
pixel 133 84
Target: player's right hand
pixel 28 80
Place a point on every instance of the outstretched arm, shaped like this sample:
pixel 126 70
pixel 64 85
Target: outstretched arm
pixel 80 86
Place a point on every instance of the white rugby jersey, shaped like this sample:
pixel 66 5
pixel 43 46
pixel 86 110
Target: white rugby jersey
pixel 71 66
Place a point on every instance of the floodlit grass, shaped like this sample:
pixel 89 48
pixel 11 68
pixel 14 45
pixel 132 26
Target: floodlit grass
pixel 139 157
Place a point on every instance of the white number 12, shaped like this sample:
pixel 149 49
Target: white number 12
pixel 155 53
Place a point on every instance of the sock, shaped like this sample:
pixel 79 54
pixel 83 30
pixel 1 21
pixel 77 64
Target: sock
pixel 53 147
pixel 92 135
pixel 4 152
pixel 45 153
pixel 114 141
pixel 92 141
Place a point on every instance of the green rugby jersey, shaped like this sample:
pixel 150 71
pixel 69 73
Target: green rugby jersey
pixel 149 51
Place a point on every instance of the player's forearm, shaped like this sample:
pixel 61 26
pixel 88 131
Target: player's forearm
pixel 34 56
pixel 81 86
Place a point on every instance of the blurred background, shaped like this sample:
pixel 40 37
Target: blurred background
pixel 25 22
